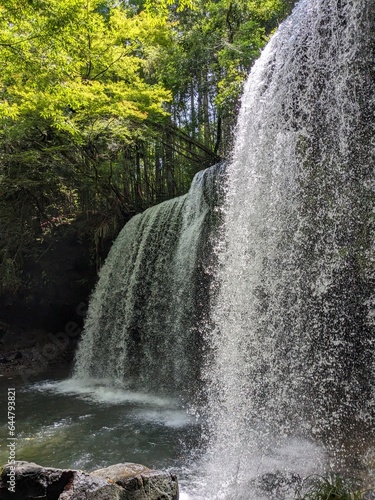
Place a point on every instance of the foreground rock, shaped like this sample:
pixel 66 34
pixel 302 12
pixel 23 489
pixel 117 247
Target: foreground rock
pixel 27 481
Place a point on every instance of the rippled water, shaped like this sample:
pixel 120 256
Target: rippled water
pixel 87 425
pixel 63 423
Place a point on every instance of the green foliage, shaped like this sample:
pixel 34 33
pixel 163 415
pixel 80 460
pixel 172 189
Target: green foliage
pixel 162 7
pixel 73 92
pixel 109 107
pixel 73 63
pixel 216 44
pixel 332 487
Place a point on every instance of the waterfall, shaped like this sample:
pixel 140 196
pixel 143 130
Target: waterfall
pixel 271 320
pixel 292 350
pixel 141 330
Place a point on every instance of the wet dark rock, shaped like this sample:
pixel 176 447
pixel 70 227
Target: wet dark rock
pixel 32 481
pixel 27 353
pixel 11 356
pixel 119 482
pixel 58 274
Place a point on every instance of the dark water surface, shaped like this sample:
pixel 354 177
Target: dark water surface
pixel 63 423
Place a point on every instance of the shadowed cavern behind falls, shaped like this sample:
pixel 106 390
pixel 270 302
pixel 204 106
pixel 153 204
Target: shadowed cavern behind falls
pixel 251 297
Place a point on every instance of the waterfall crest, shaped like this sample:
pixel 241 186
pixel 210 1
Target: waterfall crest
pixel 141 330
pixel 292 347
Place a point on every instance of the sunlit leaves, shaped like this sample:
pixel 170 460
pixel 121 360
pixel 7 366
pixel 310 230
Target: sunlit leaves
pixel 161 7
pixel 74 61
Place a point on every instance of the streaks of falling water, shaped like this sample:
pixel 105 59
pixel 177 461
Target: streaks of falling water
pixel 141 330
pixel 292 348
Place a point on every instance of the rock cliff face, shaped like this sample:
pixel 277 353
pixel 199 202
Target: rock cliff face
pixel 57 275
pixel 25 480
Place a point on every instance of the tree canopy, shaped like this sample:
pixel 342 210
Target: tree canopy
pixel 109 107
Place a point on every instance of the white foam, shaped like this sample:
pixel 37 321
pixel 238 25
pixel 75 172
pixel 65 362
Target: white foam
pixel 185 496
pixel 99 392
pixel 169 418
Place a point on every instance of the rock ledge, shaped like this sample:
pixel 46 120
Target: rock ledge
pixel 127 481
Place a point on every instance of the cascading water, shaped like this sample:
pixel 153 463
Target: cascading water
pixel 287 354
pixel 292 360
pixel 141 330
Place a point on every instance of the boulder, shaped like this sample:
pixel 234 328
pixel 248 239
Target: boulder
pixel 12 356
pixel 140 482
pixel 32 481
pixel 119 482
pixel 86 487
